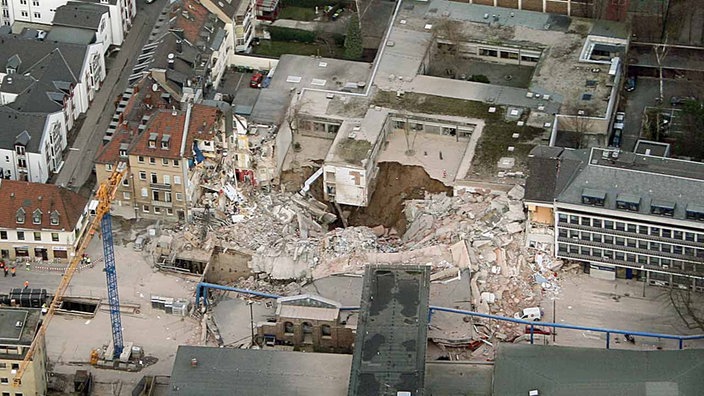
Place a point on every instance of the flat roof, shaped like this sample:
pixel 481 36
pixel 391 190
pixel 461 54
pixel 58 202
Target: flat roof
pixel 356 138
pixel 389 355
pixel 18 325
pixel 557 370
pixel 636 178
pixel 295 72
pixel 560 41
pixel 273 372
pixel 251 372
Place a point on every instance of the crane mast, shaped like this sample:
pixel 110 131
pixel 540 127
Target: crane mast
pixel 101 221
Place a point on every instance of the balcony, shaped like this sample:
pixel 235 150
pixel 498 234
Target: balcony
pixel 160 186
pixel 162 204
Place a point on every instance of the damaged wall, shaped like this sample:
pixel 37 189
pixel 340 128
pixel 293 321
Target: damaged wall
pixel 228 266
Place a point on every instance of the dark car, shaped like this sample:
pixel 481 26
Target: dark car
pixel 616 140
pixel 256 80
pixel 680 100
pixel 631 84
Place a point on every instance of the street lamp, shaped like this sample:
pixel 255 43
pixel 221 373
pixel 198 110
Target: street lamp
pixel 645 278
pixel 251 319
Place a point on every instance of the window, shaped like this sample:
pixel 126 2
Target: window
pixel 145 192
pixel 167 179
pixel 574 220
pixel 4 381
pixel 3 234
pixel 126 182
pixel 666 233
pixel 654 231
pixel 152 143
pixel 35 3
pixel 620 226
pixel 288 327
pixel 20 216
pixel 689 236
pixel 326 331
pixel 179 197
pixel 54 236
pixel 631 228
pixel 608 224
pixel 54 217
pixel 37 217
pixel 25 13
pixel 37 15
pixel 175 162
pixel 145 208
pixel 164 161
pixel 157 210
pixel 108 167
pixel 23 2
pixel 677 235
pixel 126 195
pixel 15 366
pixel 140 159
pixel 152 160
pixel 154 178
pixel 37 236
pixel 142 175
pixel 596 223
pixel 155 195
pixel 20 235
pixel 177 179
pixel 585 221
pixel 169 211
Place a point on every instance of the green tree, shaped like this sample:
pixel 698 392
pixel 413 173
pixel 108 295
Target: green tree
pixel 353 41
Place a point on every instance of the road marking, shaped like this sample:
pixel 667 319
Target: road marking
pixel 74 149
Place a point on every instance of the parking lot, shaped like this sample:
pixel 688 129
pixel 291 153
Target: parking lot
pixel 645 95
pixel 620 304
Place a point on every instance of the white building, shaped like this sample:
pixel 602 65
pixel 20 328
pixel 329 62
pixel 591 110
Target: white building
pixel 44 87
pixel 121 13
pixel 84 23
pixel 239 19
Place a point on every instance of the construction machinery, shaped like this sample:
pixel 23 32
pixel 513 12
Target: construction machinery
pixel 100 222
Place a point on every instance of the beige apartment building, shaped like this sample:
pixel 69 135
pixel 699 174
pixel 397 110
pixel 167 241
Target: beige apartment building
pixel 18 327
pixel 159 155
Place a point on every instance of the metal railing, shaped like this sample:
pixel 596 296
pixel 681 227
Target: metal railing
pixel 202 293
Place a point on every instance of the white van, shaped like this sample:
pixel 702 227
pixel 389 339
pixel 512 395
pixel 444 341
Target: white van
pixel 532 313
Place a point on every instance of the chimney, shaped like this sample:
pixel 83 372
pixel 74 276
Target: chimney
pixel 171 61
pixel 179 46
pixel 194 362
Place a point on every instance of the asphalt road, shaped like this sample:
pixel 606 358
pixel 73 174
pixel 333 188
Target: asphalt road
pixel 79 160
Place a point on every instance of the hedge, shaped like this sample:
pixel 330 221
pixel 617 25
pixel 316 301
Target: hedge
pixel 288 34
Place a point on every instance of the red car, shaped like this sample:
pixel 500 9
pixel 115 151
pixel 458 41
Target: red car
pixel 256 80
pixel 538 330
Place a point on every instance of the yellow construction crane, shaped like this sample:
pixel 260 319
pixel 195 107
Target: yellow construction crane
pixel 104 195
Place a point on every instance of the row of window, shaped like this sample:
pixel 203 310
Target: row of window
pixel 24 2
pixel 630 227
pixel 164 161
pixel 157 210
pixel 26 14
pixel 154 178
pixel 37 236
pixel 630 242
pixel 566 250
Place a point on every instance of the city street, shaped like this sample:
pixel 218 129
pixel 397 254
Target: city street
pixel 78 163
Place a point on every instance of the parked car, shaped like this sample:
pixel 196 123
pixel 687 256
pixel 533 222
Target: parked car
pixel 533 313
pixel 256 80
pixel 680 100
pixel 619 120
pixel 631 84
pixel 616 139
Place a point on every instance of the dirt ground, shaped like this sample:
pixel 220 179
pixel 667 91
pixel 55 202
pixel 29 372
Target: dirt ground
pixel 395 184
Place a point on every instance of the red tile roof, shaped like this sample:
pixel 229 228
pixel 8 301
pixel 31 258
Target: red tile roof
pixel 45 197
pixel 202 125
pixel 192 26
pixel 110 153
pixel 161 124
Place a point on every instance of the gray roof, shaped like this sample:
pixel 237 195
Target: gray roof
pixel 389 354
pixel 644 177
pixel 32 51
pixel 314 73
pixel 554 370
pixel 10 334
pixel 14 123
pixel 245 372
pixel 73 35
pixel 549 171
pixel 652 148
pixel 81 15
pixel 272 372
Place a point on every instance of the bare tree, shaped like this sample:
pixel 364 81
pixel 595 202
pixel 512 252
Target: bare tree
pixel 448 35
pixel 661 51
